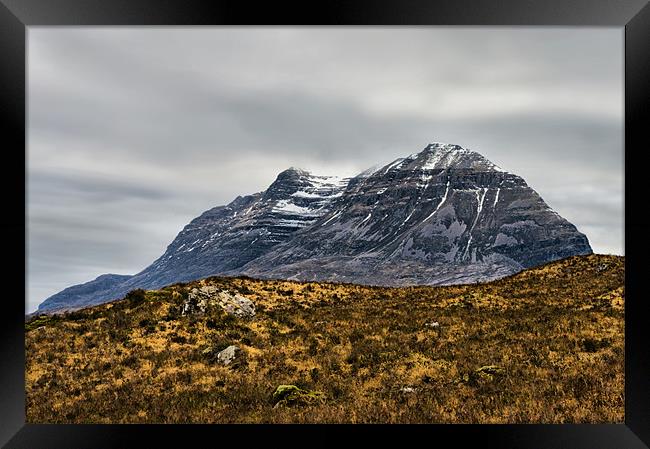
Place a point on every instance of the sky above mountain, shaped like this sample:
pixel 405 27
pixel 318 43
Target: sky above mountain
pixel 135 131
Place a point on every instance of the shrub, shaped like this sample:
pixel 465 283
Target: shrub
pixel 145 322
pixel 594 345
pixel 173 314
pixel 356 335
pixel 313 346
pixel 178 339
pixel 244 290
pixel 75 316
pixel 131 361
pixel 136 296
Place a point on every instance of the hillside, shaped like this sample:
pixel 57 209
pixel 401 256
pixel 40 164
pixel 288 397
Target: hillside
pixel 545 345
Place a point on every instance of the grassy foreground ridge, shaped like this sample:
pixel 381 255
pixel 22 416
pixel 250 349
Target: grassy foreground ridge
pixel 543 346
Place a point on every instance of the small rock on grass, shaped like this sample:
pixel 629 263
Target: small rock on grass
pixel 228 355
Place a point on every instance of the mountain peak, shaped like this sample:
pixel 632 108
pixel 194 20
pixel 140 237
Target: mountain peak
pixel 443 156
pixel 444 146
pixel 295 171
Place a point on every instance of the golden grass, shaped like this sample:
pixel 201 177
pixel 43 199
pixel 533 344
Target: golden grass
pixel 557 332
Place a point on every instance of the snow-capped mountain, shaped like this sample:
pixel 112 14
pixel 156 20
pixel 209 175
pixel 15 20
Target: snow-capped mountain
pixel 442 216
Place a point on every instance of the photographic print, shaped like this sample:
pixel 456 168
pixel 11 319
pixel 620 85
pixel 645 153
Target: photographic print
pixel 325 225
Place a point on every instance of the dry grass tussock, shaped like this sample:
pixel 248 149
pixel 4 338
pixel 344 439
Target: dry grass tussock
pixel 542 346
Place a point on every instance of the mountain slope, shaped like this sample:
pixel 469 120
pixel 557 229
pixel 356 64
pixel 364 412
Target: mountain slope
pixel 445 215
pixel 225 238
pixel 222 238
pixel 442 216
pixel 86 293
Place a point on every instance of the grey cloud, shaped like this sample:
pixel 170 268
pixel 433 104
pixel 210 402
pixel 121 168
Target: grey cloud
pixel 96 189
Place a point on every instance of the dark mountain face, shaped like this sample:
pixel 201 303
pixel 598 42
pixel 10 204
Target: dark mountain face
pixel 445 215
pixel 442 216
pixel 226 238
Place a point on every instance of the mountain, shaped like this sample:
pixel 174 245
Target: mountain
pixel 445 215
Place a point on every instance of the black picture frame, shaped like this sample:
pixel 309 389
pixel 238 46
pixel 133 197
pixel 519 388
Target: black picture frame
pixel 16 15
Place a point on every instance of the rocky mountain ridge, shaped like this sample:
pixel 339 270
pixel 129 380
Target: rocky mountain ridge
pixel 445 215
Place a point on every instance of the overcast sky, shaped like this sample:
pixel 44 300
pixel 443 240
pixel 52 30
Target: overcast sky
pixel 135 131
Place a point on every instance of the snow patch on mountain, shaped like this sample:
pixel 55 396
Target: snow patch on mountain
pixel 287 206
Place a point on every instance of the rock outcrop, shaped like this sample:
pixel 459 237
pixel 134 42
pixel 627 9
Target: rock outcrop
pixel 199 300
